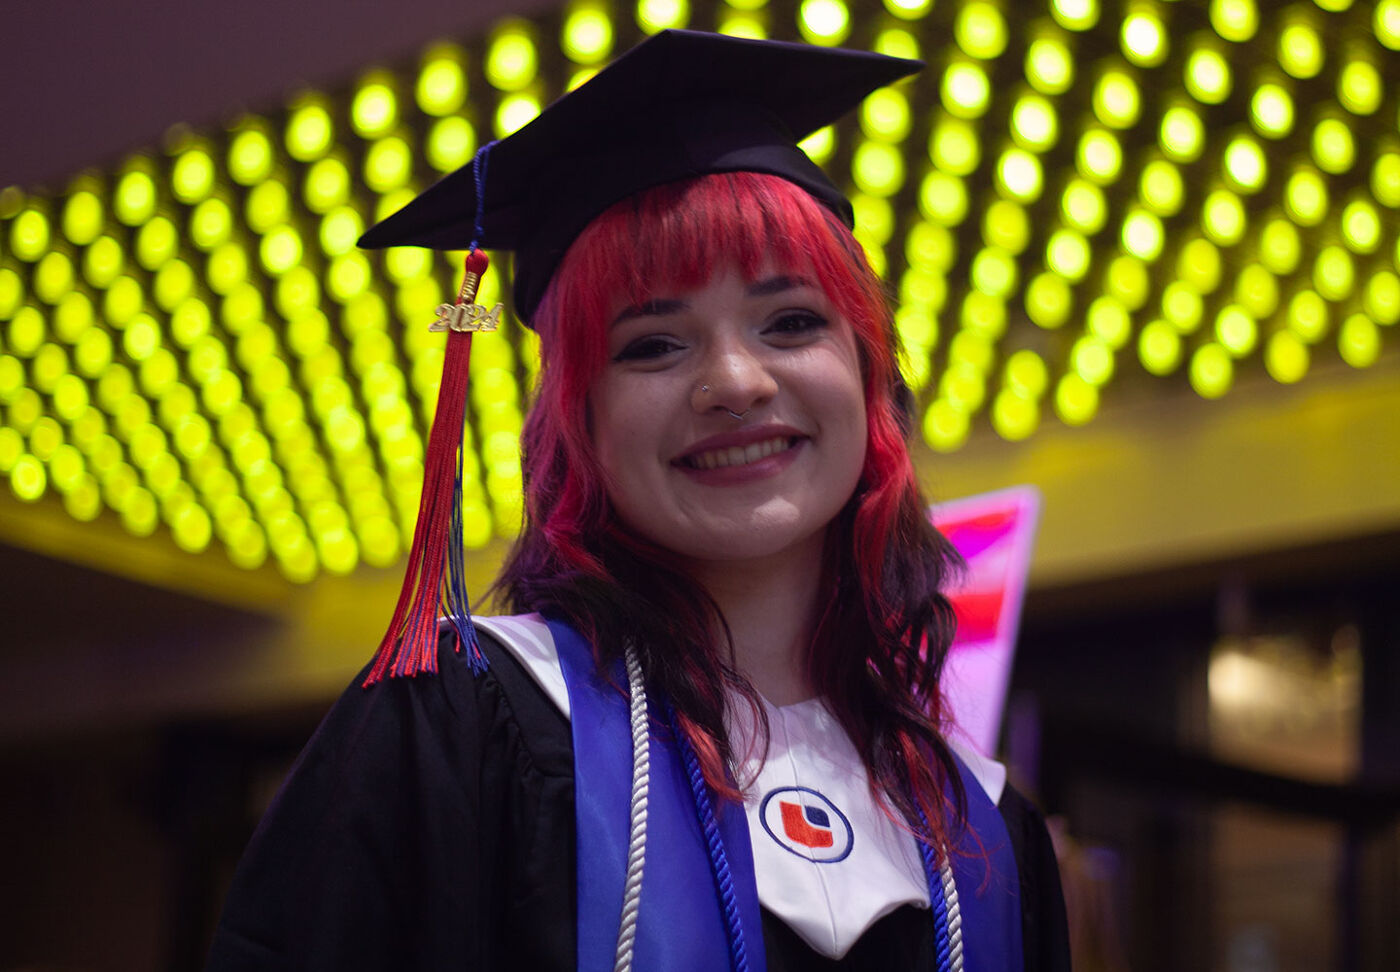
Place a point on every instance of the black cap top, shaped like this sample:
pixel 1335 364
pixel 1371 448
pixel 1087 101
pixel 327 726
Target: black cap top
pixel 680 104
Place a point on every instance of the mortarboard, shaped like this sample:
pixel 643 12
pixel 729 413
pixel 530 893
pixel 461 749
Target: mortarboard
pixel 680 104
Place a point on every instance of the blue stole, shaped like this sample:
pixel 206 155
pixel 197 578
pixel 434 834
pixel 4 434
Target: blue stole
pixel 989 890
pixel 680 926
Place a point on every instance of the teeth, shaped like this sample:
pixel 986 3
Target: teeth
pixel 739 456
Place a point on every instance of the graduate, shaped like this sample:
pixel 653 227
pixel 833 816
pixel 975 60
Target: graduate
pixel 710 735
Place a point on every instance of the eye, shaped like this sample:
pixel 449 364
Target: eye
pixel 795 323
pixel 648 348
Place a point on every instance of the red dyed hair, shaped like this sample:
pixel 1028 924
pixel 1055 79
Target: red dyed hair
pixel 884 562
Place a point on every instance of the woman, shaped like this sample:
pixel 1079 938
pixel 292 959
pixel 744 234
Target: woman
pixel 712 737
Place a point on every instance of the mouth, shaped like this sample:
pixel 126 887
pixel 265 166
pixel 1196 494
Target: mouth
pixel 738 455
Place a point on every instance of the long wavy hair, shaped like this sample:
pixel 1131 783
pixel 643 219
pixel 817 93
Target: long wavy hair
pixel 879 645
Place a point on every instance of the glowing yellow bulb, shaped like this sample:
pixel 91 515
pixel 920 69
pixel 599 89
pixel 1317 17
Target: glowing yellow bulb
pixel 1199 264
pixel 192 176
pixel 908 9
pixel 442 84
pixel 1083 206
pixel 1386 23
pixel 1271 110
pixel 1034 124
pixel 1286 357
pixel 945 426
pixel 1182 134
pixel 1049 300
pixel 1067 254
pixel 878 168
pixel 1099 156
pixel 1223 217
pixel 823 21
pixel 1025 372
pixel 1236 330
pixel 1211 371
pixel 135 200
pixel 1308 316
pixel 1006 225
pixel 1333 146
pixel 1075 14
pixel 1116 100
pixel 1385 178
pixel 1234 20
pixel 820 144
pixel 511 60
pixel 1127 282
pixel 1361 226
pixel 1159 348
pixel 1076 400
pixel 1305 197
pixel 388 164
pixel 1382 298
pixel 53 277
pixel 1143 235
pixel 1161 187
pixel 943 198
pixel 1019 175
pixel 1359 88
pixel 954 148
pixel 655 15
pixel 1300 50
pixel 993 272
pixel 1014 415
pixel 587 36
pixel 1092 360
pixel 980 30
pixel 884 115
pixel 1359 341
pixel 1143 39
pixel 966 91
pixel 1245 165
pixel 1256 291
pixel 896 42
pixel 515 112
pixel 1334 273
pixel 1208 77
pixel 82 217
pixel 327 185
pixel 309 131
pixel 250 155
pixel 1049 67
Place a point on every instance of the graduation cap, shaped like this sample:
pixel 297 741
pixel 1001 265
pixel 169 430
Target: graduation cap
pixel 680 104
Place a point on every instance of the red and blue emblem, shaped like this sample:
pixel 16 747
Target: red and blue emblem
pixel 806 823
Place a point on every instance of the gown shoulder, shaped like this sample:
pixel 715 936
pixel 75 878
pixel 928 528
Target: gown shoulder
pixel 427 824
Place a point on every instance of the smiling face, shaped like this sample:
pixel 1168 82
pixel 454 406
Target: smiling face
pixel 681 469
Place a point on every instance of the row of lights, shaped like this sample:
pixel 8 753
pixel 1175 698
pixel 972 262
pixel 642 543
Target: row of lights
pixel 193 340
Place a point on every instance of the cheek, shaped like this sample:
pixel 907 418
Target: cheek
pixel 622 424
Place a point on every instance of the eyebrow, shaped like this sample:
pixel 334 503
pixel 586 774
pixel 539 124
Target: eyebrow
pixel 663 306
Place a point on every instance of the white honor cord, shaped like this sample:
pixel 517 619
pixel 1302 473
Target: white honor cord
pixel 954 912
pixel 637 815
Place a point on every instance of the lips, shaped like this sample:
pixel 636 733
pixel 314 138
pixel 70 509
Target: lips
pixel 740 447
pixel 738 455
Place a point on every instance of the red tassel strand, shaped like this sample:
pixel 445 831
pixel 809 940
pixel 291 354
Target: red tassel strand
pixel 409 645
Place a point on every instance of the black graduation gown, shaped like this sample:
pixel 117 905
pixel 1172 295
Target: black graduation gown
pixel 429 824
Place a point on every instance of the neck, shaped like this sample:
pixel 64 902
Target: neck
pixel 770 605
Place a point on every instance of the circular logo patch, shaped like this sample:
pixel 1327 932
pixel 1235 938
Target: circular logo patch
pixel 806 823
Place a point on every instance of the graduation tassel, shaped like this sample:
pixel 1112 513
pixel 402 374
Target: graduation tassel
pixel 410 645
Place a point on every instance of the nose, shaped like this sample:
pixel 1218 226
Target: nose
pixel 733 378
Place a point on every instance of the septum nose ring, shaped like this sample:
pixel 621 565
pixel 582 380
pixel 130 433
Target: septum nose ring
pixel 738 416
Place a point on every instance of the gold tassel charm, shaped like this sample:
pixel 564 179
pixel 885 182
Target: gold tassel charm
pixel 466 314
